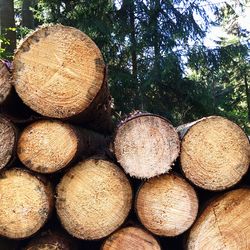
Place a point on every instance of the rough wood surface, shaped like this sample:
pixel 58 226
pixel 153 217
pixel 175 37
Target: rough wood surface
pixel 5 82
pixel 93 199
pixel 167 205
pixel 131 238
pixel 50 241
pixel 25 203
pixel 224 224
pixel 59 72
pixel 48 146
pixel 215 153
pixel 8 137
pixel 146 145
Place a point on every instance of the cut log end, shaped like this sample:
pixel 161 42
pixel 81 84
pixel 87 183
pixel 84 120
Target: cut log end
pixel 146 146
pixel 58 71
pixel 167 205
pixel 25 205
pixel 5 82
pixel 47 146
pixel 131 238
pixel 7 141
pixel 215 153
pixel 93 199
pixel 50 241
pixel 224 224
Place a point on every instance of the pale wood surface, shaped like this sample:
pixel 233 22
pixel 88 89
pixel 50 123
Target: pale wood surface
pixel 215 153
pixel 224 224
pixel 93 199
pixel 146 146
pixel 167 205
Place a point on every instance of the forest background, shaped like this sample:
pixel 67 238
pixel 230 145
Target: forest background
pixel 182 59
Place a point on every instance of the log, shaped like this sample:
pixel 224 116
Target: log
pixel 26 202
pixel 131 238
pixel 215 153
pixel 47 146
pixel 5 82
pixel 224 224
pixel 146 145
pixel 50 241
pixel 8 138
pixel 59 72
pixel 166 205
pixel 93 199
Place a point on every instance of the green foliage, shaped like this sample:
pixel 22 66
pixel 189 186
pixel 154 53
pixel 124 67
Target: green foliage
pixel 151 64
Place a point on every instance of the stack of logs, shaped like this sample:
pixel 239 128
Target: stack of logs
pixel 69 179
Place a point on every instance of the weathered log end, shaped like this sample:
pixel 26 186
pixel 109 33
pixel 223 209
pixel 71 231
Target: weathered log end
pixel 93 199
pixel 224 224
pixel 167 205
pixel 47 146
pixel 146 145
pixel 8 138
pixel 26 203
pixel 131 238
pixel 215 153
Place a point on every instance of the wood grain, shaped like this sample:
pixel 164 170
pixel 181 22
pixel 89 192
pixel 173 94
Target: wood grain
pixel 166 205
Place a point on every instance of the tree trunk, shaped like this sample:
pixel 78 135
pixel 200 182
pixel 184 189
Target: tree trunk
pixel 166 205
pixel 27 14
pixel 224 224
pixel 7 22
pixel 8 138
pixel 146 145
pixel 26 203
pixel 59 72
pixel 93 199
pixel 48 146
pixel 131 238
pixel 215 152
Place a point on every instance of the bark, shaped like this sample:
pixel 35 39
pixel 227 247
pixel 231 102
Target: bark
pixel 7 21
pixel 104 198
pixel 214 152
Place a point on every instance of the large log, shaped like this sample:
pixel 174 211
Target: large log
pixel 26 202
pixel 166 205
pixel 93 199
pixel 8 138
pixel 224 224
pixel 131 238
pixel 146 145
pixel 215 153
pixel 59 72
pixel 47 146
